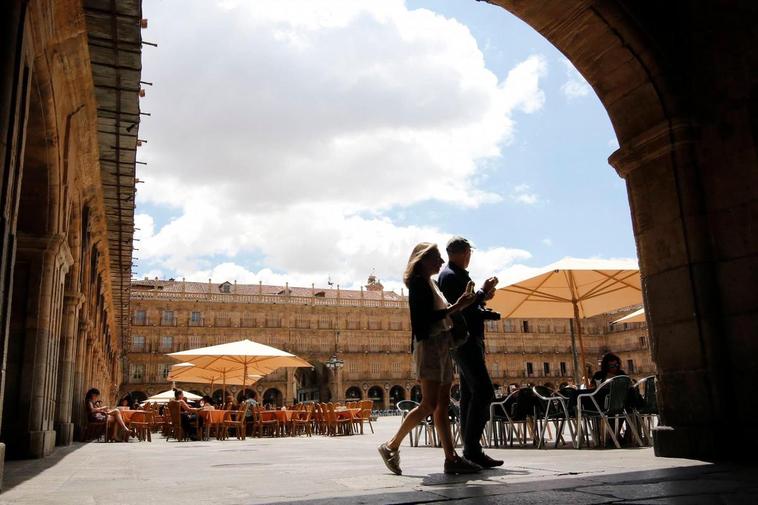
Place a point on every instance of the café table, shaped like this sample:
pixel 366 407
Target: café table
pixel 136 419
pixel 346 413
pixel 213 418
pixel 283 416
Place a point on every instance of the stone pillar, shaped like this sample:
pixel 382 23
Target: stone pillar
pixel 340 396
pixel 386 397
pixel 51 259
pixel 678 270
pixel 291 390
pixel 80 385
pixel 64 426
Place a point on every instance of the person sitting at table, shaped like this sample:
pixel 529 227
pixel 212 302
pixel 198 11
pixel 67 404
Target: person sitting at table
pixel 610 366
pixel 126 401
pixel 230 403
pixel 206 403
pixel 191 424
pixel 251 404
pixel 100 414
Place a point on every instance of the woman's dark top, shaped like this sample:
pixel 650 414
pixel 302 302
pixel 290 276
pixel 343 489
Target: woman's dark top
pixel 423 314
pixel 601 376
pixel 94 415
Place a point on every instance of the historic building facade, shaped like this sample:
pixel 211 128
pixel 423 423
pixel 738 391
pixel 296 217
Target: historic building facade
pixel 69 85
pixel 367 330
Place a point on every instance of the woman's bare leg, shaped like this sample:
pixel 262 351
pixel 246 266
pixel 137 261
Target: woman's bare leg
pixel 120 420
pixel 442 421
pixel 429 394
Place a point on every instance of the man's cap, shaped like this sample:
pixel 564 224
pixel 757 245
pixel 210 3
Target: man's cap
pixel 458 244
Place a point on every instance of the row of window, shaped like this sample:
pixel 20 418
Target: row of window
pixel 169 318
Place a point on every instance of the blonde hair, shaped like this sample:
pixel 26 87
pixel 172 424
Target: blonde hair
pixel 421 250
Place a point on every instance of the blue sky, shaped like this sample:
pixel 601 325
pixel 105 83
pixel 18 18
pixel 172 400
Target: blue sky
pixel 261 168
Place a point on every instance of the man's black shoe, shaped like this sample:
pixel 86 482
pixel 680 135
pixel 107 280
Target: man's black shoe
pixel 485 461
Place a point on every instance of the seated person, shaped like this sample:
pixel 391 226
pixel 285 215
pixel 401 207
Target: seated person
pixel 206 403
pixel 230 404
pixel 96 413
pixel 191 424
pixel 126 401
pixel 251 404
pixel 610 366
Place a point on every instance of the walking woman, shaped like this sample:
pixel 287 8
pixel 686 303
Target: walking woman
pixel 430 342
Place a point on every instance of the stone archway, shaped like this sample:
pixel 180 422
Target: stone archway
pixel 376 394
pixel 273 397
pixel 353 393
pixel 397 393
pixel 648 69
pixel 416 393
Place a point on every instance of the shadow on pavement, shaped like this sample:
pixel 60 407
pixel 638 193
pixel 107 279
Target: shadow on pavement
pixel 18 471
pixel 705 484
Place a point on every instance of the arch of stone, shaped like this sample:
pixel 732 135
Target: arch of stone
pixel 677 79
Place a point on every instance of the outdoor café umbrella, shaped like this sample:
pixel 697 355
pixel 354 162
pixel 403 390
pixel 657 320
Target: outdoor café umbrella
pixel 574 289
pixel 245 356
pixel 168 395
pixel 638 316
pixel 187 372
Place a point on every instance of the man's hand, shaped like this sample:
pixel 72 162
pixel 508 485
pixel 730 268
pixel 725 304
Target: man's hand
pixel 489 284
pixel 490 295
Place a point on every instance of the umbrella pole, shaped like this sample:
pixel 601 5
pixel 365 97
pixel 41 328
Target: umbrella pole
pixel 581 344
pixel 577 376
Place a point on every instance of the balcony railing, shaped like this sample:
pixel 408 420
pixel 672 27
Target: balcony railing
pixel 168 321
pixel 195 322
pixel 140 321
pixel 267 299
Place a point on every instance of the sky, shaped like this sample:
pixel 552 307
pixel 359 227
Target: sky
pixel 308 141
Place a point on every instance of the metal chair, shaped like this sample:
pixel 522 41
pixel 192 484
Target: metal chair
pixel 505 422
pixel 552 408
pixel 647 413
pixel 596 419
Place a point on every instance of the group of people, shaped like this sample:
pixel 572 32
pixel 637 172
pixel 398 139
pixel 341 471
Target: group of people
pixel 447 323
pixel 192 424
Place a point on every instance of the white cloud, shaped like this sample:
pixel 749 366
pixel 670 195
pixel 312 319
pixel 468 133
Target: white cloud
pixel 523 194
pixel 547 241
pixel 575 86
pixel 285 130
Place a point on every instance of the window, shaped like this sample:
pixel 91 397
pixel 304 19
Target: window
pixel 167 318
pixel 525 326
pixel 630 365
pixel 495 368
pixel 643 341
pixel 491 325
pixel 374 323
pixel 194 341
pixel 302 322
pixel 352 366
pixel 138 343
pixel 353 323
pixel 167 343
pixel 163 369
pixel 140 317
pixel 509 326
pixel 196 318
pixel 563 369
pixel 137 372
pixel 396 366
pixel 375 368
pixel 396 325
pixel 546 369
pixel 273 321
pixel 529 369
pixel 324 322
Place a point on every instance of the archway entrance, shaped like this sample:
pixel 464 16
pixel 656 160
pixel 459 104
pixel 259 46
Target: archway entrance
pixel 353 393
pixel 273 397
pixel 416 393
pixel 376 393
pixel 397 393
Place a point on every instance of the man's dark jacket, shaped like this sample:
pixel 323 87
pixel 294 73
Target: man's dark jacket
pixel 452 281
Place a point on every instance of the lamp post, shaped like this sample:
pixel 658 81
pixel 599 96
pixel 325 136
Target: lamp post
pixel 335 365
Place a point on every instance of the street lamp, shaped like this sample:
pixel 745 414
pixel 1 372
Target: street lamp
pixel 334 363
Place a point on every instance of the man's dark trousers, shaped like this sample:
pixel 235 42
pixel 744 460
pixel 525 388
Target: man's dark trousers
pixel 477 393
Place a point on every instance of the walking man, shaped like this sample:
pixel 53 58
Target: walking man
pixel 477 391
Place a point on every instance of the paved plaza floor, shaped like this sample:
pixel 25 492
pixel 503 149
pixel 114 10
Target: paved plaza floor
pixel 348 470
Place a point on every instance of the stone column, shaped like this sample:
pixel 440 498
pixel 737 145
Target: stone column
pixel 340 396
pixel 51 258
pixel 681 296
pixel 64 426
pixel 291 390
pixel 80 362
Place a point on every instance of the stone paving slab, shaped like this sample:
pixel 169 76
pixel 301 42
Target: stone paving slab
pixel 348 470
